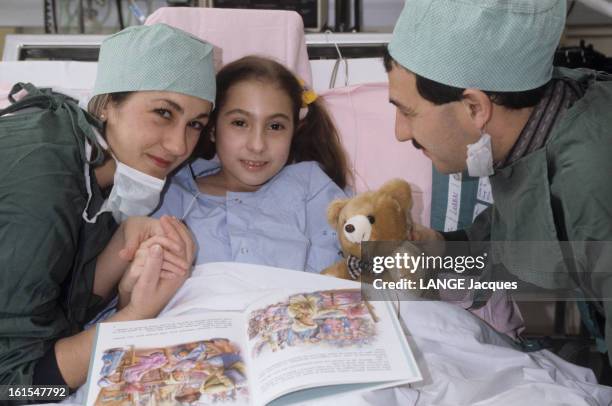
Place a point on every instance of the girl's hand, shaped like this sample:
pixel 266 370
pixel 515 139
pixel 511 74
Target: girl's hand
pixel 179 247
pixel 170 233
pixel 136 230
pixel 149 291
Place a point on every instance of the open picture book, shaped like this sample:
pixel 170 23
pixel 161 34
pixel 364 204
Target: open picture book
pixel 289 347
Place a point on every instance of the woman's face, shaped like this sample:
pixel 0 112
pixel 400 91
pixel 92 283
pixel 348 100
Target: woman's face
pixel 253 134
pixel 154 132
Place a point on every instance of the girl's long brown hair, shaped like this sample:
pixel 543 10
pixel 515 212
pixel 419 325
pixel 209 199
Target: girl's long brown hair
pixel 315 137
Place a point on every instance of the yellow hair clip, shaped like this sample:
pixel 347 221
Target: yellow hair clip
pixel 308 95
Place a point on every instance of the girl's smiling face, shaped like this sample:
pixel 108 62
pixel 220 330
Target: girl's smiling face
pixel 253 134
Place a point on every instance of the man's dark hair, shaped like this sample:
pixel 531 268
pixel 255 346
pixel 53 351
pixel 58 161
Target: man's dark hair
pixel 438 93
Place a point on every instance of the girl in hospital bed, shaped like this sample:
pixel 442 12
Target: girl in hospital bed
pixel 278 165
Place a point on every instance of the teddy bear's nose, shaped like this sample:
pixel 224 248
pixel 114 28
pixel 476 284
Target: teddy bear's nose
pixel 349 228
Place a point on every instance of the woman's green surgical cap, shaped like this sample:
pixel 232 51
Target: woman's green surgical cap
pixel 156 57
pixel 491 45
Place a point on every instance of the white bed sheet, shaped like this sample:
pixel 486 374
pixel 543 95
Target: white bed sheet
pixel 463 361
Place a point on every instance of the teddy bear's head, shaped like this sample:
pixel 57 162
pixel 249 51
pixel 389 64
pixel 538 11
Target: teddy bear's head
pixel 380 215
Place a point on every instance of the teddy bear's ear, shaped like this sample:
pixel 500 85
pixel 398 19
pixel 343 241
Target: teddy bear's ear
pixel 400 190
pixel 334 209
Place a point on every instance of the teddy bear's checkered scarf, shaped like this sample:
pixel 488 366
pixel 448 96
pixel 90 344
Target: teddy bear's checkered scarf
pixel 355 266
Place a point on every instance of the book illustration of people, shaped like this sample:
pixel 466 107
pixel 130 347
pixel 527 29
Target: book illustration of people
pixel 202 372
pixel 338 318
pixel 299 345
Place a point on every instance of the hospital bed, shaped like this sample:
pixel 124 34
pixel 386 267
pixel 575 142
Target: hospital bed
pixel 464 360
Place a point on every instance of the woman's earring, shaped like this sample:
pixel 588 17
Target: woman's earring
pixel 212 136
pixel 102 117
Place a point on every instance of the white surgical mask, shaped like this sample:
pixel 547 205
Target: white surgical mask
pixel 134 193
pixel 480 157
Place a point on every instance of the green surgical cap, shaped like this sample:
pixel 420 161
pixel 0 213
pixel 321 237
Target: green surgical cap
pixel 156 57
pixel 491 45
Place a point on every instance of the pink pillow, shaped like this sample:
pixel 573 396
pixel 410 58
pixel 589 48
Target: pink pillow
pixel 366 122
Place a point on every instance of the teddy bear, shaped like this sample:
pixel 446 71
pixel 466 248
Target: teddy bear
pixel 379 215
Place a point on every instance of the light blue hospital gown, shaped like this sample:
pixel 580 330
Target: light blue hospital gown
pixel 283 224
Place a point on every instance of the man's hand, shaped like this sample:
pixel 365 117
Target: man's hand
pixel 428 240
pixel 420 233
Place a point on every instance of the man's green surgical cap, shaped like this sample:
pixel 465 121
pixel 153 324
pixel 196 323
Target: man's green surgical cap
pixel 491 45
pixel 156 57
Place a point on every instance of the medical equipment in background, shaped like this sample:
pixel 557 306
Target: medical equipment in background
pixel 335 59
pixel 50 17
pixel 98 16
pixel 89 12
pixel 93 15
pixel 582 56
pixel 180 3
pixel 603 6
pixel 320 46
pixel 313 12
pixel 344 12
